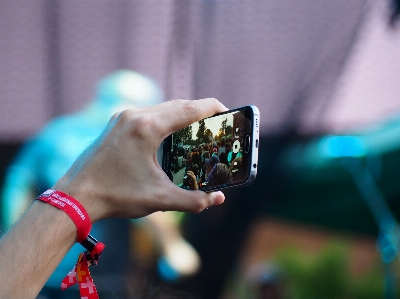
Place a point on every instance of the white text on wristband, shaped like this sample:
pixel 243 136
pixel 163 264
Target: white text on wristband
pixel 72 208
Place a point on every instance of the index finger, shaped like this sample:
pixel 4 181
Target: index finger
pixel 184 113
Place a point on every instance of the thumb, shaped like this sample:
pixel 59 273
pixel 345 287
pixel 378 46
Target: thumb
pixel 192 201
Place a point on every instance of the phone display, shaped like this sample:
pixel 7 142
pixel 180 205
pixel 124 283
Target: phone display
pixel 217 152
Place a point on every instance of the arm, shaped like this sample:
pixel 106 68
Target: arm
pixel 32 249
pixel 110 179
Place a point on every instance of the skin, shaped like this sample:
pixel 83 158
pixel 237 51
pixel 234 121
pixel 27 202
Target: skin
pixel 109 179
pixel 193 182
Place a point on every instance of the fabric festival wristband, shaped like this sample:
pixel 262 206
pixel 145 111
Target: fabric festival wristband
pixel 72 208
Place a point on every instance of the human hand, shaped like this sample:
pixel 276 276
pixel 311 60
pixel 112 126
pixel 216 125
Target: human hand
pixel 119 176
pixel 192 180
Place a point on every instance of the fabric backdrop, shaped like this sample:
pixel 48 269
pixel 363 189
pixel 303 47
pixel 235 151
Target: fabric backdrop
pixel 309 65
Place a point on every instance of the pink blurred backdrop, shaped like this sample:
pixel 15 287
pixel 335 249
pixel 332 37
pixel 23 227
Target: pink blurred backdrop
pixel 311 66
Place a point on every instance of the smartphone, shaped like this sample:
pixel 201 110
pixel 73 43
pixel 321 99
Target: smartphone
pixel 215 153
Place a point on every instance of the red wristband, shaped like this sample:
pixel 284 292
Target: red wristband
pixel 72 208
pixel 80 217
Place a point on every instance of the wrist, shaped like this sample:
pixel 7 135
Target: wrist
pixel 64 225
pixel 85 196
pixel 72 207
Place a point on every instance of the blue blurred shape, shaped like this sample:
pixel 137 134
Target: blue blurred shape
pixel 341 146
pixel 166 271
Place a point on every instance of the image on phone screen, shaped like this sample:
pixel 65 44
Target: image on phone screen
pixel 214 153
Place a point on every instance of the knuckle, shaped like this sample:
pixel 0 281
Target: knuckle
pixel 142 126
pixel 189 108
pixel 177 102
pixel 125 116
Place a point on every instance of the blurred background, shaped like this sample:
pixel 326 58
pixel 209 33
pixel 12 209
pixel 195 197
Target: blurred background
pixel 321 219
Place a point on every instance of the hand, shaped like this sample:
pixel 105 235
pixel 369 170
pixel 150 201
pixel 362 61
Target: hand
pixel 119 176
pixel 192 180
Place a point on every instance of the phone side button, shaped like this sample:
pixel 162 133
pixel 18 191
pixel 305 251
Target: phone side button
pixel 247 144
pixel 256 143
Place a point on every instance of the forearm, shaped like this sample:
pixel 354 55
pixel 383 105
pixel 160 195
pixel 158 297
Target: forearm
pixel 33 249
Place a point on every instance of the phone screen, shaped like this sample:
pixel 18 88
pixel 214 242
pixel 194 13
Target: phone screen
pixel 214 153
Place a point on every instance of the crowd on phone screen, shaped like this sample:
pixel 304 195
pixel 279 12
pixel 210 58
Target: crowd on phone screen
pixel 208 165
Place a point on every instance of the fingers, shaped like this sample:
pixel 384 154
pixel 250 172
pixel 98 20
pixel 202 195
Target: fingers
pixel 192 201
pixel 179 113
pixel 191 174
pixel 163 119
pixel 148 110
pixel 163 106
pixel 196 203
